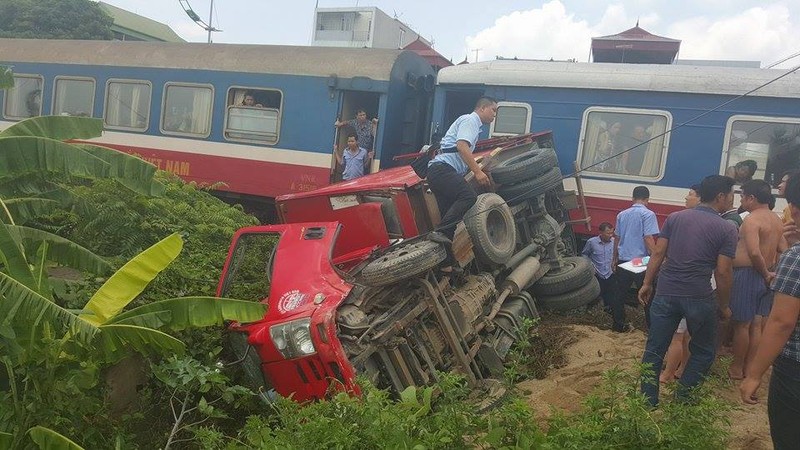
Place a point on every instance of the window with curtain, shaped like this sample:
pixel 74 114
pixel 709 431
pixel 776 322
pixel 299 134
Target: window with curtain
pixel 512 119
pixel 73 97
pixel 624 142
pixel 24 100
pixel 773 143
pixel 127 105
pixel 187 109
pixel 253 115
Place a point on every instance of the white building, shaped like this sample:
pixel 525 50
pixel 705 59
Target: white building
pixel 360 27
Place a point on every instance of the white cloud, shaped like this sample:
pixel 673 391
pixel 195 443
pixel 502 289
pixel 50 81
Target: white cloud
pixel 763 34
pixel 760 33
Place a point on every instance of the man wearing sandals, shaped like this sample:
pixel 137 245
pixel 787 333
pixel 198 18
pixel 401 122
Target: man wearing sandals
pixel 446 173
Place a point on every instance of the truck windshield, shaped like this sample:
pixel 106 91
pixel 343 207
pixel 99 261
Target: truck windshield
pixel 250 270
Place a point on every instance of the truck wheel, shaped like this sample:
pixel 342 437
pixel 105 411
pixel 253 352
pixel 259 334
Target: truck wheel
pixel 525 166
pixel 490 225
pixel 575 272
pixel 403 262
pixel 516 193
pixel 571 300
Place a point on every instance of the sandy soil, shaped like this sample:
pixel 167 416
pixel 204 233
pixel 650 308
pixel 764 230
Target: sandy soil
pixel 598 350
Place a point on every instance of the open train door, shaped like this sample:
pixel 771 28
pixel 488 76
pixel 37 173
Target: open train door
pixel 351 102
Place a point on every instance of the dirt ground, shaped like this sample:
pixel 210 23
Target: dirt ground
pixel 597 350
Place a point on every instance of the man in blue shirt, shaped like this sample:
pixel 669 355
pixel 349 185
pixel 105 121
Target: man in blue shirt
pixel 600 249
pixel 693 244
pixel 353 159
pixel 637 228
pixel 446 172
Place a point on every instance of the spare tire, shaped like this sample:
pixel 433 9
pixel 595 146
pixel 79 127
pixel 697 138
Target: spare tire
pixel 516 193
pixel 490 225
pixel 575 272
pixel 403 262
pixel 525 166
pixel 571 300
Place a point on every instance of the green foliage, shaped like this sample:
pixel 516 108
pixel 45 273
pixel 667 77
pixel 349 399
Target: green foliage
pixel 195 391
pixel 617 415
pixel 54 19
pixel 48 439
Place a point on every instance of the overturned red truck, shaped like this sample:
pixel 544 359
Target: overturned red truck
pixel 351 287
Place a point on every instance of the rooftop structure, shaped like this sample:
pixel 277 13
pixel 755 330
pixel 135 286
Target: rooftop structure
pixel 636 46
pixel 129 26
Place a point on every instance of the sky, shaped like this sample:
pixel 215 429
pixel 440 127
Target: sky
pixel 764 31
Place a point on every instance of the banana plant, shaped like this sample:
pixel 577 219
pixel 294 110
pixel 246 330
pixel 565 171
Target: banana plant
pixel 35 149
pixel 99 322
pixel 101 327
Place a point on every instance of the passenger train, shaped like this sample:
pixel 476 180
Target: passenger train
pixel 180 106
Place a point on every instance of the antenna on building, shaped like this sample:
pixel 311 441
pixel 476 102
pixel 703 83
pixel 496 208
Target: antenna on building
pixel 196 18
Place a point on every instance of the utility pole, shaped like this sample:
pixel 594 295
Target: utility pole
pixel 210 16
pixel 476 50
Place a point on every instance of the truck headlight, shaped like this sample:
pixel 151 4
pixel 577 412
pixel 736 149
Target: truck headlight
pixel 293 339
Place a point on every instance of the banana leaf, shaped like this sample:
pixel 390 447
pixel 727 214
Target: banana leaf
pixel 5 440
pixel 27 154
pixel 119 339
pixel 61 250
pixel 59 128
pixel 26 208
pixel 48 439
pixel 131 279
pixel 21 308
pixel 186 312
pixel 13 258
pixel 134 173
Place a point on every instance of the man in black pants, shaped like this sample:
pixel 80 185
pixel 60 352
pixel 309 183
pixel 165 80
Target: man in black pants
pixel 446 172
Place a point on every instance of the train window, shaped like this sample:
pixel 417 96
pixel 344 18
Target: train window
pixel 512 119
pixel 73 97
pixel 624 143
pixel 186 109
pixel 127 105
pixel 253 115
pixel 24 100
pixel 770 145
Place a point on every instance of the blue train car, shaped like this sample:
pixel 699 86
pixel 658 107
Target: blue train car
pixel 182 106
pixel 684 122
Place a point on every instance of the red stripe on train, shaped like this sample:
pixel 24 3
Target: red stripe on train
pixel 243 176
pixel 606 210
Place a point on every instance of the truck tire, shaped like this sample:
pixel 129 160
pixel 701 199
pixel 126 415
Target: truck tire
pixel 571 300
pixel 490 225
pixel 575 272
pixel 516 193
pixel 403 262
pixel 525 166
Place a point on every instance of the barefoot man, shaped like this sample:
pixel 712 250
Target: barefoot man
pixel 760 242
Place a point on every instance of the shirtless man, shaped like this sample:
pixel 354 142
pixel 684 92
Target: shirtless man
pixel 760 242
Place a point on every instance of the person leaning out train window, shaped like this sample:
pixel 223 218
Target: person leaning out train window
pixel 743 171
pixel 250 101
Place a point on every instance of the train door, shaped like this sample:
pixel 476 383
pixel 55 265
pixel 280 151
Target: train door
pixel 351 103
pixel 457 103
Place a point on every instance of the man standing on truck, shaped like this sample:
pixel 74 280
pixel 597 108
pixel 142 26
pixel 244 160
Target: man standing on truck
pixel 693 244
pixel 637 228
pixel 446 173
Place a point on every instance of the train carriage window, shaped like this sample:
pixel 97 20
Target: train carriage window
pixel 73 97
pixel 253 115
pixel 127 105
pixel 769 144
pixel 24 100
pixel 512 119
pixel 624 143
pixel 186 109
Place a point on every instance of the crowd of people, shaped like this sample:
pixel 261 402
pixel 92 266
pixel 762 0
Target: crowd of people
pixel 711 276
pixel 717 278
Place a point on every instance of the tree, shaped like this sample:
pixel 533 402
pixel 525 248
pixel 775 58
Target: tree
pixel 54 19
